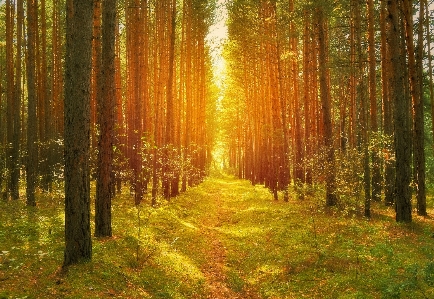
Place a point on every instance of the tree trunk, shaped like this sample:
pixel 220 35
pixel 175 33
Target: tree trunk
pixel 389 171
pixel 415 72
pixel 78 244
pixel 430 69
pixel 47 141
pixel 169 134
pixel 376 163
pixel 10 91
pixel 32 149
pixel 331 199
pixel 401 117
pixel 16 165
pixel 106 104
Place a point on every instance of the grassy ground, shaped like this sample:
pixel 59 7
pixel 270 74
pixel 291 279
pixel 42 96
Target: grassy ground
pixel 222 239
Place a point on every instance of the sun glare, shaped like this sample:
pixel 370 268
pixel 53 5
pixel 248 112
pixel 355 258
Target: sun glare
pixel 217 35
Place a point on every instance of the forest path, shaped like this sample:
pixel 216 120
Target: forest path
pixel 219 219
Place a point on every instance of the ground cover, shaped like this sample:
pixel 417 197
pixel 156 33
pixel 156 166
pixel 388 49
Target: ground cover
pixel 222 239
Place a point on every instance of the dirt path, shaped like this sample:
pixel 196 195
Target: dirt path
pixel 214 270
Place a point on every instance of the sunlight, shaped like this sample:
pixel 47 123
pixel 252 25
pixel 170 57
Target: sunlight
pixel 216 38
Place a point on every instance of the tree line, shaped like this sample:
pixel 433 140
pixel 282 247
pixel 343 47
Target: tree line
pixel 334 93
pixel 116 92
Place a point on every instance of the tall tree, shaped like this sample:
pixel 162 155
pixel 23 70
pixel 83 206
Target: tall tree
pixel 400 116
pixel 32 149
pixel 78 244
pixel 10 91
pixel 169 133
pixel 326 107
pixel 106 105
pixel 363 117
pixel 387 106
pixel 376 167
pixel 46 138
pixel 96 71
pixel 430 68
pixel 15 153
pixel 415 73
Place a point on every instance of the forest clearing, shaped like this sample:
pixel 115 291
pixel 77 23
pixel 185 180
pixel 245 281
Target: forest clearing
pixel 222 239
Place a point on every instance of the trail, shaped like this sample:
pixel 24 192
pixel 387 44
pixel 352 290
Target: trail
pixel 219 214
pixel 216 255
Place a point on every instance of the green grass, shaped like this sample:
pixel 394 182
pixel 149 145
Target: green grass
pixel 272 249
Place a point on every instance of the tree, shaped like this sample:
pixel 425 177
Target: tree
pixel 10 91
pixel 400 116
pixel 46 119
pixel 16 108
pixel 32 149
pixel 106 104
pixel 78 245
pixel 169 133
pixel 326 108
pixel 415 72
pixel 376 169
pixel 389 171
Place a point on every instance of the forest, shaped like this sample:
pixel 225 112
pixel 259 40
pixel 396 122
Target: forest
pixel 216 149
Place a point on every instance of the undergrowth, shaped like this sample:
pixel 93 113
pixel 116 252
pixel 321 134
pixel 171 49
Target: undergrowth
pixel 272 249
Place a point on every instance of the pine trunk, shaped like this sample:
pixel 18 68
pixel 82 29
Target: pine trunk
pixel 106 105
pixel 78 245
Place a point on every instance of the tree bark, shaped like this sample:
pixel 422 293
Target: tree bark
pixel 331 198
pixel 15 154
pixel 10 91
pixel 389 167
pixel 78 244
pixel 415 72
pixel 376 163
pixel 400 116
pixel 106 105
pixel 32 149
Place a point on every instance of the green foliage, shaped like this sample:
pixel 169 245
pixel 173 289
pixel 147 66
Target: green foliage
pixel 265 249
pixel 411 280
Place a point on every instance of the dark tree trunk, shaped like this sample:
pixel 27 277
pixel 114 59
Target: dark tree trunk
pixel 10 89
pixel 401 118
pixel 16 167
pixel 106 104
pixel 376 164
pixel 389 167
pixel 331 199
pixel 32 149
pixel 78 244
pixel 415 72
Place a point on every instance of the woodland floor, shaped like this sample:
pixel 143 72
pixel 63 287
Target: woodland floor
pixel 222 239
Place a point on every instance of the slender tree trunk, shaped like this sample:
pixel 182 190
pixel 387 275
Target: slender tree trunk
pixel 308 107
pixel 376 163
pixel 169 134
pixel 363 115
pixel 389 171
pixel 16 168
pixel 326 108
pixel 299 175
pixel 106 105
pixel 47 152
pixel 32 150
pixel 10 91
pixel 415 72
pixel 2 129
pixel 96 71
pixel 430 69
